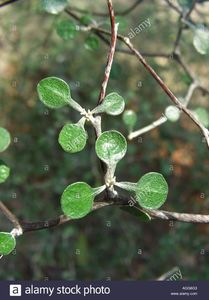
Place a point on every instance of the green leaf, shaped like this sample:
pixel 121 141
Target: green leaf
pixel 113 104
pixel 72 138
pixel 54 92
pixel 54 6
pixel 202 115
pixel 201 40
pixel 92 43
pixel 4 172
pixel 145 217
pixel 66 29
pixel 111 146
pixel 152 190
pixel 5 139
pixel 7 243
pixel 172 113
pixel 77 200
pixel 129 119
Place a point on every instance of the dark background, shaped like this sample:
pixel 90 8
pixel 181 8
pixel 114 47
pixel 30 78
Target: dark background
pixel 108 243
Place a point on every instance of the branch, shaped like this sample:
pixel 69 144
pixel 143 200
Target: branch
pixel 114 29
pixel 118 201
pixel 162 84
pixel 103 39
pixel 174 7
pixel 62 219
pixel 175 54
pixel 97 123
pixel 178 36
pixel 179 60
pixel 146 54
pixel 181 28
pixel 194 85
pixel 191 9
pixel 10 216
pixel 145 129
pixel 174 216
pixel 165 88
pixel 8 2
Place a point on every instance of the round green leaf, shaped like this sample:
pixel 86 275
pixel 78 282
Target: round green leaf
pixel 111 146
pixel 91 43
pixel 172 113
pixel 7 243
pixel 202 115
pixel 4 173
pixel 129 119
pixel 5 139
pixel 53 92
pixel 152 190
pixel 66 29
pixel 72 138
pixel 54 6
pixel 77 200
pixel 201 40
pixel 113 104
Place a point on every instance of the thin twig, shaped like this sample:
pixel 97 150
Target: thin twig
pixel 98 130
pixel 145 129
pixel 176 55
pixel 183 65
pixel 194 85
pixel 181 28
pixel 175 216
pixel 7 3
pixel 145 54
pixel 174 7
pixel 166 89
pixel 191 9
pixel 62 219
pixel 203 89
pixel 103 39
pixel 114 29
pixel 178 36
pixel 10 216
pixel 119 201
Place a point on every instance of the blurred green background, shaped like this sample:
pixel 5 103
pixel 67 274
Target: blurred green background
pixel 109 243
